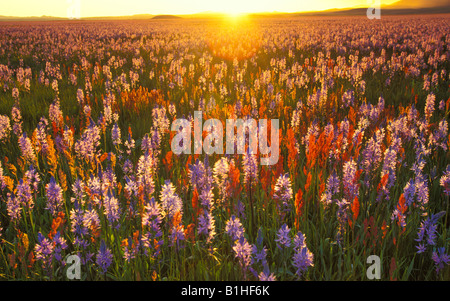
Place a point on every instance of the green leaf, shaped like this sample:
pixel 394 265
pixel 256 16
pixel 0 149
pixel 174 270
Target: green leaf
pixel 408 271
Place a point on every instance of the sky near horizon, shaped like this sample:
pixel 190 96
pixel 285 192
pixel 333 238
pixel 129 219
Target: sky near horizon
pixel 98 8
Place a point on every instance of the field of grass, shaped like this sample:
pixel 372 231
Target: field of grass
pixel 87 167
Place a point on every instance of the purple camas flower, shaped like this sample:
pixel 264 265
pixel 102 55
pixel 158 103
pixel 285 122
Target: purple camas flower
pixel 439 137
pixel 234 228
pixel 440 258
pixel 80 96
pixel 420 182
pixel 47 249
pixel 151 220
pixel 220 175
pixel 84 224
pixel 243 252
pixel 16 118
pixel 260 255
pixel 422 191
pixel 130 189
pixel 303 258
pixel 283 238
pixel 409 192
pixel 207 198
pixel 86 146
pixel 421 248
pixel 170 201
pixel 420 144
pixel 372 154
pixel 76 221
pixel 331 189
pixel 445 181
pixel 67 138
pixel 265 276
pixel 297 115
pixel 348 98
pixel 131 248
pixel 313 130
pixel 32 177
pixel 146 144
pixel 5 127
pixel 342 216
pixel 43 251
pixel 389 166
pixel 26 148
pixel 376 111
pixel 54 196
pixel 155 140
pixel 401 128
pixel 41 136
pixel 199 175
pixel 151 217
pixel 111 208
pixel 283 190
pixel 206 225
pixel 91 220
pixel 104 258
pixel 94 190
pixel 13 207
pixel 129 144
pixel 115 135
pixel 2 178
pixel 351 186
pixel 429 106
pixel 108 179
pixel 250 167
pixel 23 194
pixel 428 227
pixel 146 168
pixel 87 110
pixel 176 235
pixel 127 167
pixel 160 119
pixel 59 244
pixel 55 114
pixel 15 93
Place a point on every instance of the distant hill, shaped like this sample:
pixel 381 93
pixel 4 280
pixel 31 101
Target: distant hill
pixel 166 17
pixel 131 17
pixel 384 11
pixel 420 3
pixel 50 18
pixel 32 18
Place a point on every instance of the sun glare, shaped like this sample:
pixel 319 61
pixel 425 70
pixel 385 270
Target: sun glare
pixel 234 11
pixel 235 17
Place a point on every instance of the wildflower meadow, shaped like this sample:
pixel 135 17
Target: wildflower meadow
pixel 88 171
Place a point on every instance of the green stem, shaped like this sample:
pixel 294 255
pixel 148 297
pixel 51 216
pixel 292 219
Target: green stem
pixel 32 222
pixel 4 259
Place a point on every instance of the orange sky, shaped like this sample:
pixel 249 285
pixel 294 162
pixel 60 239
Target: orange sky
pixel 90 8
